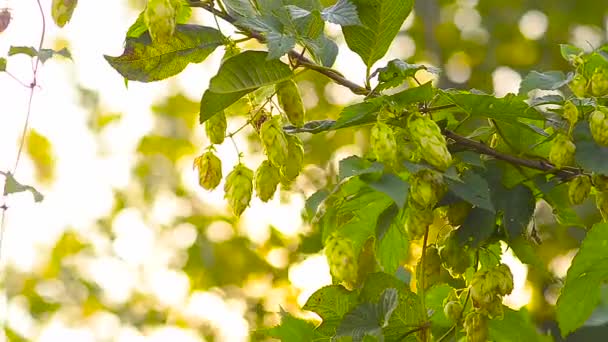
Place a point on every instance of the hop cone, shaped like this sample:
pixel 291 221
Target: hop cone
pixel 453 310
pixel 159 16
pixel 570 112
pixel 209 170
pixel 476 327
pixel 215 128
pixel 578 85
pixel 599 82
pixel 598 123
pixel 291 102
pixel 562 151
pixel 418 221
pixel 266 180
pixel 383 143
pixel 432 268
pixel 600 182
pixel 601 200
pixel 61 11
pixel 579 189
pixel 503 279
pixel 238 188
pixel 342 259
pixel 456 259
pixel 426 188
pixel 274 141
pixel 427 135
pixel 295 158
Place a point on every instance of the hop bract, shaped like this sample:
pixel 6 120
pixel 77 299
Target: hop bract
pixel 383 143
pixel 427 135
pixel 159 17
pixel 342 259
pixel 62 10
pixel 274 141
pixel 599 82
pixel 238 188
pixel 570 112
pixel 290 100
pixel 295 158
pixel 600 182
pixel 598 123
pixel 578 85
pixel 426 188
pixel 266 180
pixel 215 128
pixel 579 189
pixel 562 151
pixel 209 170
pixel 476 327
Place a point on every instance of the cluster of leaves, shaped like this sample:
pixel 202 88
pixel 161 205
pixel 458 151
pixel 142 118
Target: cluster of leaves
pixel 453 172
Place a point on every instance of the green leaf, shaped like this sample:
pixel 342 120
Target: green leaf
pixel 293 329
pixel 356 166
pixel 25 50
pixel 434 301
pixel 242 8
pixel 479 225
pixel 369 318
pixel 556 194
pixel 581 291
pixel 11 186
pixel 344 13
pixel 279 44
pixel 357 114
pixel 313 127
pixel 145 61
pixel 413 95
pixel 589 155
pixel 323 50
pixel 515 326
pixel 313 202
pixel 391 185
pixel 526 253
pixel 382 20
pixel 549 80
pixel 247 71
pixel 509 108
pixel 2 64
pixel 392 242
pixel 331 302
pixel 568 51
pixel 397 71
pixel 213 103
pixel 46 54
pixel 474 189
pixel 184 12
pixel 518 206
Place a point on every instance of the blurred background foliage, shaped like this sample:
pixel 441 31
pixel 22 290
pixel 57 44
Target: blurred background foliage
pixel 168 257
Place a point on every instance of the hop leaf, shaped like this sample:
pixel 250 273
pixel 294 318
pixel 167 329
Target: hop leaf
pixel 579 189
pixel 238 188
pixel 476 327
pixel 599 82
pixel 426 188
pixel 570 113
pixel 598 123
pixel 383 143
pixel 578 85
pixel 215 128
pixel 159 17
pixel 266 180
pixel 290 100
pixel 562 151
pixel 458 212
pixel 209 170
pixel 274 141
pixel 62 10
pixel 455 259
pixel 295 158
pixel 342 259
pixel 427 135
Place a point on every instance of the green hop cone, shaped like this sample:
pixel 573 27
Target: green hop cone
pixel 266 180
pixel 61 11
pixel 578 189
pixel 426 188
pixel 455 258
pixel 417 221
pixel 562 151
pixel 342 259
pixel 601 201
pixel 238 188
pixel 570 112
pixel 599 82
pixel 600 182
pixel 578 85
pixel 427 135
pixel 209 170
pixel 476 327
pixel 383 143
pixel 504 279
pixel 598 123
pixel 482 290
pixel 290 100
pixel 159 17
pixel 431 274
pixel 215 128
pixel 295 158
pixel 274 141
pixel 453 310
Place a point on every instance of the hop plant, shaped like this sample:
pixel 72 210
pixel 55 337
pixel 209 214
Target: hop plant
pixel 290 100
pixel 598 123
pixel 453 310
pixel 159 17
pixel 61 11
pixel 383 143
pixel 458 212
pixel 476 327
pixel 579 189
pixel 418 221
pixel 215 128
pixel 266 180
pixel 238 188
pixel 488 287
pixel 274 141
pixel 599 82
pixel 427 135
pixel 578 85
pixel 503 278
pixel 570 113
pixel 601 200
pixel 426 188
pixel 455 259
pixel 209 170
pixel 295 158
pixel 562 151
pixel 600 182
pixel 430 266
pixel 342 259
